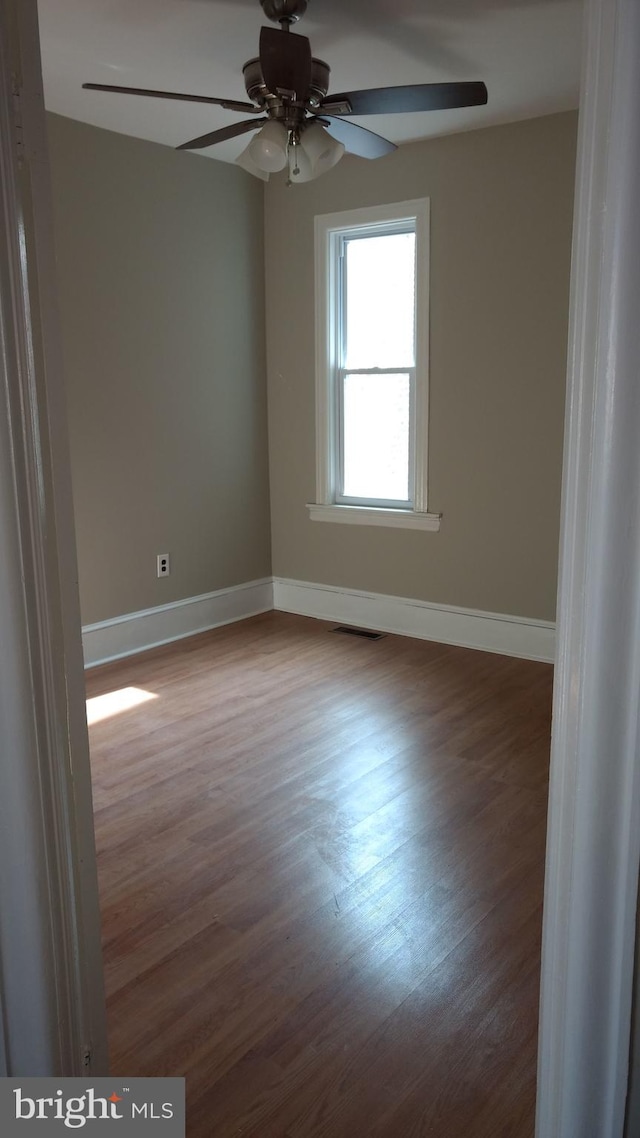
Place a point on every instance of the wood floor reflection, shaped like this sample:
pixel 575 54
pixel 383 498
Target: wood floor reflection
pixel 321 867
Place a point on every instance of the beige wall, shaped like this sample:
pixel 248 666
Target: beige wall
pixel 501 213
pixel 160 261
pixel 160 267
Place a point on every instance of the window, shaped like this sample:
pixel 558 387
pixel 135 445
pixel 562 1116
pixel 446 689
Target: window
pixel 372 278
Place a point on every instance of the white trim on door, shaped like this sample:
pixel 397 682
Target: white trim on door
pixel 51 976
pixel 594 816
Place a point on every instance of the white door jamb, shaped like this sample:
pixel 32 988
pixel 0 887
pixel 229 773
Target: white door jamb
pixel 594 806
pixel 51 992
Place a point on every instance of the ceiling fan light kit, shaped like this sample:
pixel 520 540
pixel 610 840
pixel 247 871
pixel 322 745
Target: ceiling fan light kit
pixel 302 127
pixel 246 161
pixel 268 150
pixel 323 151
pixel 308 153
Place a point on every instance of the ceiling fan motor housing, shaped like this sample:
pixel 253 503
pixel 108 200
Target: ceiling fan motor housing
pixel 258 91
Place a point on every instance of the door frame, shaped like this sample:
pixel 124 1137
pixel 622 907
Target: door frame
pixel 593 847
pixel 51 977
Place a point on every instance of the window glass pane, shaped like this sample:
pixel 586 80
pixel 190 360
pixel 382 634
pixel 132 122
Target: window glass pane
pixel 380 301
pixel 376 436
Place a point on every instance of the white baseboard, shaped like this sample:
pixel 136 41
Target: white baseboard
pixel 487 631
pixel 137 631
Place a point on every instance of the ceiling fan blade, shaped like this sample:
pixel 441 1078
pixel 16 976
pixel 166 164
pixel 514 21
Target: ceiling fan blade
pixel 285 59
pixel 230 104
pixel 357 139
pixel 223 134
pixel 401 100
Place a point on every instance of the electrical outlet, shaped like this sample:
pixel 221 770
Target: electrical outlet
pixel 163 565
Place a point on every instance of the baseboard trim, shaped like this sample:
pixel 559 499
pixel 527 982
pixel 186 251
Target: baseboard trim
pixel 467 628
pixel 136 631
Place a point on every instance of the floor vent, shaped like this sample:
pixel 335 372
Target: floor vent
pixel 365 633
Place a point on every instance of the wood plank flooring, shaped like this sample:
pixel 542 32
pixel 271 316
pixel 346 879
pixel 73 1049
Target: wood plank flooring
pixel 321 867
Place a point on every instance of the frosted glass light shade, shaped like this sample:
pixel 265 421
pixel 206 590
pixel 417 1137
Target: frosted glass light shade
pixel 268 150
pixel 246 161
pixel 322 150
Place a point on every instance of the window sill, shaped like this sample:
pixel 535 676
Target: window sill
pixel 374 516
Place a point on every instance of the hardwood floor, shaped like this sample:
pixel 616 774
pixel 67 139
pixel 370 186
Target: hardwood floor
pixel 321 867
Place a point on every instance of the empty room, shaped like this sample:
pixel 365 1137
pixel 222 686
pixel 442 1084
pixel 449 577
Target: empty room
pixel 314 338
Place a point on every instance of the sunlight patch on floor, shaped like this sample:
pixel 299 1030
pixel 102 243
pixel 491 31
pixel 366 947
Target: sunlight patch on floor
pixel 101 707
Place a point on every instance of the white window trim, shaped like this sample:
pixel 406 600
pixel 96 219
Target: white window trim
pixel 325 507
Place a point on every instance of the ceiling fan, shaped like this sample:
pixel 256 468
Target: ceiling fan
pixel 300 125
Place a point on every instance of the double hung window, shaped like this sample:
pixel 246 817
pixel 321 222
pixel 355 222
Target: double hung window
pixel 372 367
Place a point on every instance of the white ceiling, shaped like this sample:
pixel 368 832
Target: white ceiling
pixel 526 51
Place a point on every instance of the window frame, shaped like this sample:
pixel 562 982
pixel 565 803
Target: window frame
pixel 331 232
